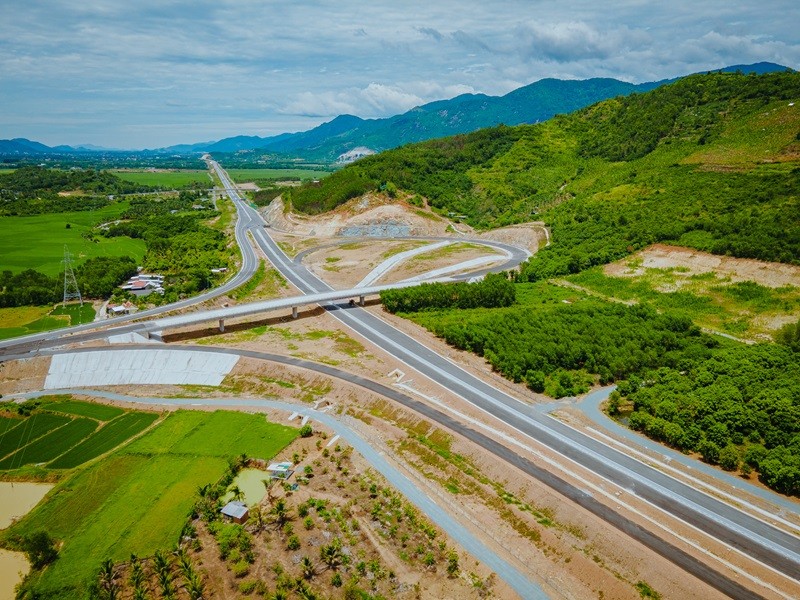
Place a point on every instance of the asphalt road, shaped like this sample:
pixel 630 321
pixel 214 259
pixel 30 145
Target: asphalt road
pixel 731 526
pixel 751 536
pixel 250 261
pixel 580 497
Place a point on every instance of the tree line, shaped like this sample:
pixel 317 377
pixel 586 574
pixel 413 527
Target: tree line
pixel 495 290
pixel 97 278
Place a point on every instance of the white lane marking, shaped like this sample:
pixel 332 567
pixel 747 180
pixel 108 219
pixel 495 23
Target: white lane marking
pixel 615 498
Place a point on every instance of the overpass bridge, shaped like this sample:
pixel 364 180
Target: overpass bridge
pixel 358 294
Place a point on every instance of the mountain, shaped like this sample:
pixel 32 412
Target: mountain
pixel 711 162
pixel 25 146
pixel 532 103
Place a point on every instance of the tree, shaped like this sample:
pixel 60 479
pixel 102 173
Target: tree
pixel 280 513
pixel 331 554
pixel 452 563
pixel 307 568
pixel 237 492
pixel 109 588
pixel 729 458
pixel 40 548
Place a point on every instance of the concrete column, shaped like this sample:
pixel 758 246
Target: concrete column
pixel 294 312
pixel 361 300
pixel 222 324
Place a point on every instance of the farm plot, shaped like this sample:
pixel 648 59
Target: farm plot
pixel 28 430
pixel 51 445
pixel 125 504
pixel 136 500
pixel 7 423
pixel 109 437
pixel 101 412
pixel 219 433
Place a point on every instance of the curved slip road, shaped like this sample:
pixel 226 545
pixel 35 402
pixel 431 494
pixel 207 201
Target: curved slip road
pixel 581 497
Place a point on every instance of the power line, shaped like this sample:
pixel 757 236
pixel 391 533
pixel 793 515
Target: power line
pixel 71 291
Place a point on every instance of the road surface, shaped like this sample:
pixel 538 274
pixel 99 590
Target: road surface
pixel 753 537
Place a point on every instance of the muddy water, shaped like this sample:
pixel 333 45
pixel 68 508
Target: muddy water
pixel 250 482
pixel 16 499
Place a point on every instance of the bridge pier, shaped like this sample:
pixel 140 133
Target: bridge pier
pixel 361 300
pixel 222 325
pixel 294 312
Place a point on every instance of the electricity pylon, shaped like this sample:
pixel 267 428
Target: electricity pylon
pixel 71 291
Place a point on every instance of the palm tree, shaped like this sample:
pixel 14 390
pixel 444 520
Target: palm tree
pixel 195 586
pixel 331 554
pixel 108 580
pixel 136 576
pixel 237 492
pixel 280 513
pixel 268 485
pixel 257 518
pixel 307 568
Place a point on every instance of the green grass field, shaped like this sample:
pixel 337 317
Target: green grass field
pixel 50 445
pixel 37 242
pixel 248 175
pixel 168 179
pixel 105 439
pixel 137 499
pixel 16 323
pixel 101 412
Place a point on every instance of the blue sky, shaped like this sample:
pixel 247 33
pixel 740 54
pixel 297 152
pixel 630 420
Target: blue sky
pixel 152 73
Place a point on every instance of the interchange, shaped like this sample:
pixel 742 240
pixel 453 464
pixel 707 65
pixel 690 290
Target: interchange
pixel 749 536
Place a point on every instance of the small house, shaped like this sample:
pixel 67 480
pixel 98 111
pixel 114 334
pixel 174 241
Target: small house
pixel 236 512
pixel 281 470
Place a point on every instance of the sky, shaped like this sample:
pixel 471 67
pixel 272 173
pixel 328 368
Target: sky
pixel 152 73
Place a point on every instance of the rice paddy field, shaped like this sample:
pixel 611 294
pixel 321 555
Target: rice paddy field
pixel 247 175
pixel 37 242
pixel 137 498
pixel 172 179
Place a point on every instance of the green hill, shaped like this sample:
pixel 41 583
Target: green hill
pixel 710 162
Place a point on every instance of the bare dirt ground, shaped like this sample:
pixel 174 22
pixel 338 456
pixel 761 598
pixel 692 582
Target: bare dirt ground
pixel 693 262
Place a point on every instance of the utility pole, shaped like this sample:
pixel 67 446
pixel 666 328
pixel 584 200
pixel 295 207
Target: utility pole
pixel 71 291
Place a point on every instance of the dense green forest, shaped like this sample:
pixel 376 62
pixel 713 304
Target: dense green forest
pixel 494 291
pixel 35 190
pixel 736 405
pixel 97 278
pixel 708 162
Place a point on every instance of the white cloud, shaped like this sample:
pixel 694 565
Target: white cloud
pixel 206 65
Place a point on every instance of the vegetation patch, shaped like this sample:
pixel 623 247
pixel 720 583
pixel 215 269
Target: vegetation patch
pixel 106 438
pixel 93 410
pixel 136 500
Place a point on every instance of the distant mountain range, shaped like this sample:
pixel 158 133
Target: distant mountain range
pixel 538 101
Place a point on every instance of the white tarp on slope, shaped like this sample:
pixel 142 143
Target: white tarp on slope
pixel 141 366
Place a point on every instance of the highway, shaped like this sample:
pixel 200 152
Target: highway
pixel 250 261
pixel 748 535
pixel 751 536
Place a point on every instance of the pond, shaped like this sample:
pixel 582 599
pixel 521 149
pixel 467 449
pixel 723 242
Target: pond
pixel 250 482
pixel 16 499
